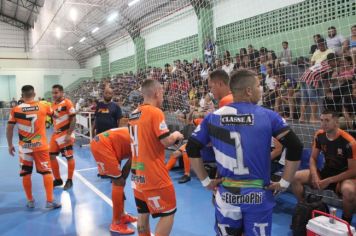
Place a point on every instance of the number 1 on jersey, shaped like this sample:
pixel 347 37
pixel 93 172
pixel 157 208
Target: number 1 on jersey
pixel 134 140
pixel 240 169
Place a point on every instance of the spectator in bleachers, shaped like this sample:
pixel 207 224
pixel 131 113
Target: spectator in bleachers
pixel 226 55
pixel 107 113
pixel 348 121
pixel 320 54
pixel 237 61
pixel 228 67
pixel 272 59
pixel 340 85
pixel 253 54
pixel 314 47
pixel 336 41
pixel 293 73
pixel 204 73
pixel 351 44
pixel 285 57
pixel 339 171
pixel 218 64
pixel 313 81
pixel 270 85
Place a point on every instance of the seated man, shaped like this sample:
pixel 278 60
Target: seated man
pixel 339 171
pixel 109 149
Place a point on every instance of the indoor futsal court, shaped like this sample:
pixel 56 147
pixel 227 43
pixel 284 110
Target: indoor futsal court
pixel 178 117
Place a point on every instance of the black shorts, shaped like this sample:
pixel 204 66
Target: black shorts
pixel 326 173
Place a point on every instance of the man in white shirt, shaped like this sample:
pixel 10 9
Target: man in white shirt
pixel 335 41
pixel 228 67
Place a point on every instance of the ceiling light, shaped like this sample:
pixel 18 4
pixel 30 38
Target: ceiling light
pixel 58 32
pixel 94 30
pixel 70 48
pixel 73 13
pixel 82 39
pixel 112 17
pixel 133 2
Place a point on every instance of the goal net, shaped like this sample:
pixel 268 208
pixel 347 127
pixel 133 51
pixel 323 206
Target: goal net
pixel 181 42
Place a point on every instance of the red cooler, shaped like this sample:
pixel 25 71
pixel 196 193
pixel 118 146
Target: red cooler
pixel 321 226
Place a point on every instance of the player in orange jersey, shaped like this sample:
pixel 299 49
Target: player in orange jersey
pixel 63 137
pixel 109 149
pixel 219 86
pixel 30 118
pixel 153 188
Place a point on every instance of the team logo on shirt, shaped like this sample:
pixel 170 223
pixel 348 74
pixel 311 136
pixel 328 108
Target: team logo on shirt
pixel 163 126
pixel 339 152
pixel 244 119
pixel 26 109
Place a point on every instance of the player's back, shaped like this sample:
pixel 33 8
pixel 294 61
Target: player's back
pixel 61 113
pixel 31 121
pixel 117 140
pixel 241 137
pixel 147 127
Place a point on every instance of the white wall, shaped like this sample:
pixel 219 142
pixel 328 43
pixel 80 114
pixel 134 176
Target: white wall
pixel 229 11
pixel 121 49
pixel 35 77
pixel 93 62
pixel 181 24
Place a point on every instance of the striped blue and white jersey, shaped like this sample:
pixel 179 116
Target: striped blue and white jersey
pixel 240 134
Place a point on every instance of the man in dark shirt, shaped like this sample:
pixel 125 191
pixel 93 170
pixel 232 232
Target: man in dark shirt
pixel 107 113
pixel 339 171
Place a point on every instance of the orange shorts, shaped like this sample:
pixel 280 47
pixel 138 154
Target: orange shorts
pixel 58 145
pixel 106 160
pixel 157 202
pixel 41 159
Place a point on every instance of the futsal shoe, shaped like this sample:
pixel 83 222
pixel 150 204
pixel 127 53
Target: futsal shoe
pixel 53 205
pixel 184 179
pixel 68 185
pixel 121 229
pixel 30 204
pixel 57 182
pixel 127 219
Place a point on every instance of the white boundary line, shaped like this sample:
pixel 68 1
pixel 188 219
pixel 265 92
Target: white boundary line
pixel 94 189
pixel 91 168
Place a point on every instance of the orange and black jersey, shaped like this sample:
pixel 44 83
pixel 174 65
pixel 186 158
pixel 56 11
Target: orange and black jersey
pixel 147 127
pixel 30 118
pixel 62 111
pixel 337 151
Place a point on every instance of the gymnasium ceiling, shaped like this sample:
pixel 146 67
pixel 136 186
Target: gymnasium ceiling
pixel 20 13
pixel 67 27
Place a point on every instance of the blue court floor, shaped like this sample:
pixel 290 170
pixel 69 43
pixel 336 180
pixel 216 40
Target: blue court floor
pixel 86 209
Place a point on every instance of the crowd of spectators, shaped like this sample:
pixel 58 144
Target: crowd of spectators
pixel 297 88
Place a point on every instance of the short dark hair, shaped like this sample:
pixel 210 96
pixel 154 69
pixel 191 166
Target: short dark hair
pixel 334 114
pixel 354 26
pixel 219 75
pixel 148 86
pixel 317 35
pixel 321 40
pixel 332 27
pixel 285 42
pixel 27 89
pixel 58 86
pixel 241 79
pixel 331 56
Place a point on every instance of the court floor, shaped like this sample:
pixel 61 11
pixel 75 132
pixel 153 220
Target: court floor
pixel 86 209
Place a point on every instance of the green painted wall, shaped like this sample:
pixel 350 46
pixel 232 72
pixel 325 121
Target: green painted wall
pixel 186 48
pixel 205 28
pixel 295 24
pixel 140 55
pixel 97 73
pixel 123 65
pixel 105 65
